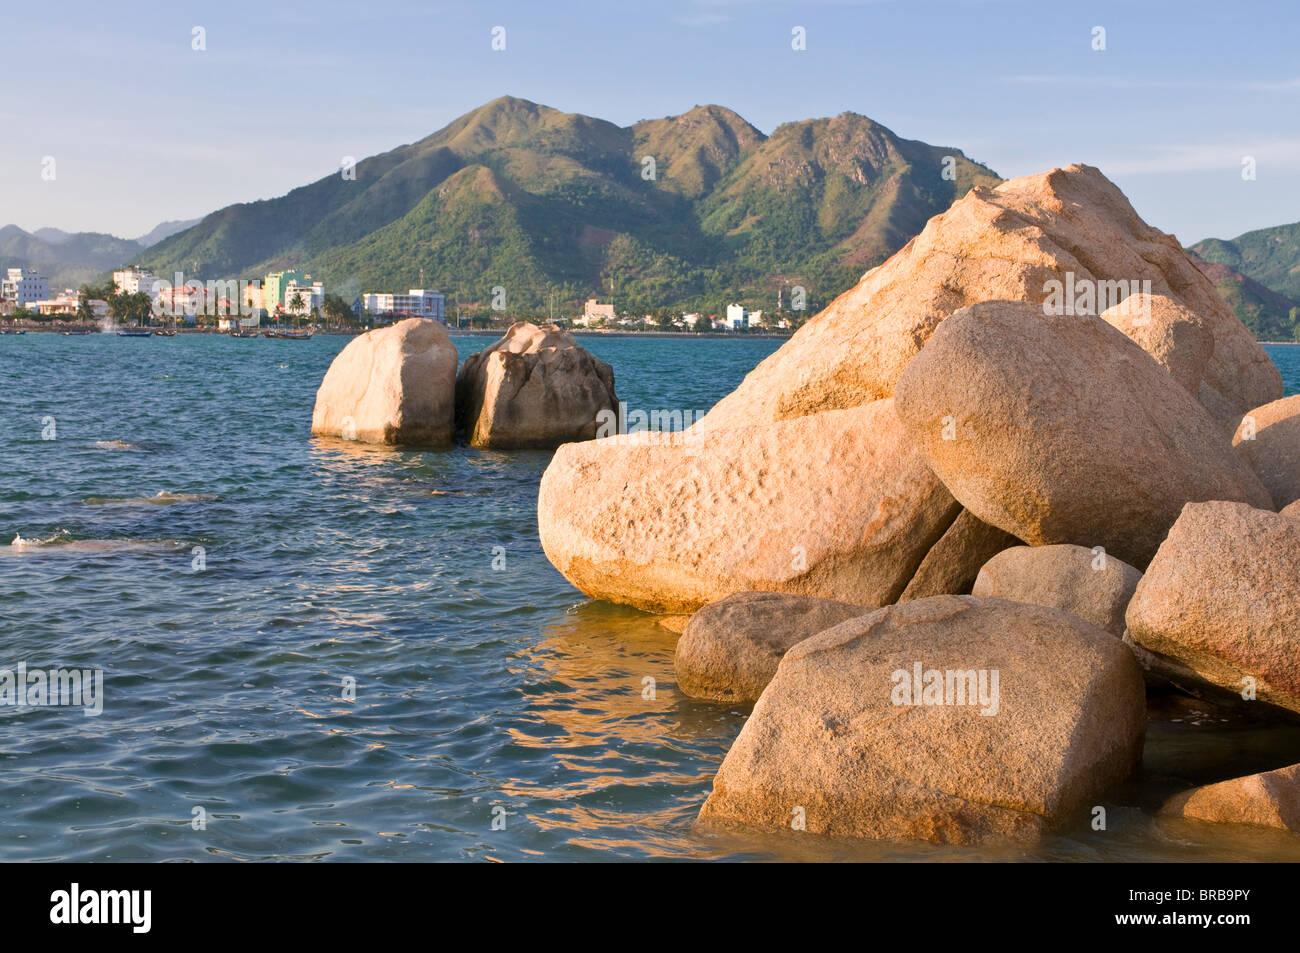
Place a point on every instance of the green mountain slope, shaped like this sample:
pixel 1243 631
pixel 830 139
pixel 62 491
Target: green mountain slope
pixel 1259 275
pixel 66 259
pixel 547 204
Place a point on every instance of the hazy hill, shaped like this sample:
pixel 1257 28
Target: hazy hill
pixel 544 202
pixel 70 259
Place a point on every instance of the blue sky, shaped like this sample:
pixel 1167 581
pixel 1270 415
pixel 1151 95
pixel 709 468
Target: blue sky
pixel 144 128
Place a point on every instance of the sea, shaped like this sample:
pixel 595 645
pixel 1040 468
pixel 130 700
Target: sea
pixel 313 650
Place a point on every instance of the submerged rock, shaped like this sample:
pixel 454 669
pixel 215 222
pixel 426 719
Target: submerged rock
pixel 837 505
pixel 731 648
pixel 1059 429
pixel 1268 438
pixel 1092 585
pixel 534 388
pixel 393 385
pixel 1030 715
pixel 1219 608
pixel 1269 799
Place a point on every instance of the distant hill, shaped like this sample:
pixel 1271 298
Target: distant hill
pixel 67 259
pixel 543 203
pixel 71 259
pixel 1269 261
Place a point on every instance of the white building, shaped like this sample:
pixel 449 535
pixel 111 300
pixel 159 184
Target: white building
pixel 24 286
pixel 132 280
pixel 737 317
pixel 416 303
pixel 311 297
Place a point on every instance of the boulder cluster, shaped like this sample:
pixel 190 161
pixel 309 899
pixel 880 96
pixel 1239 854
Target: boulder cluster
pixel 534 388
pixel 948 536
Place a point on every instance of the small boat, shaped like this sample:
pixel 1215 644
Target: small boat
pixel 135 333
pixel 76 333
pixel 247 333
pixel 13 330
pixel 296 335
pixel 166 333
pixel 270 334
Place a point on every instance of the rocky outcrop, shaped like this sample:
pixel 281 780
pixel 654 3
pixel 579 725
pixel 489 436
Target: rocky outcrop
pixel 951 565
pixel 393 385
pixel 845 742
pixel 1090 584
pixel 534 388
pixel 1218 608
pixel 1269 799
pixel 731 648
pixel 838 505
pixel 1059 429
pixel 1268 438
pixel 1069 225
pixel 1181 342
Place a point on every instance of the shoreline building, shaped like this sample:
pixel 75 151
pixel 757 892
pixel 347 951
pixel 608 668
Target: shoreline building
pixel 416 303
pixel 24 286
pixel 276 285
pixel 129 281
pixel 593 312
pixel 68 303
pixel 311 294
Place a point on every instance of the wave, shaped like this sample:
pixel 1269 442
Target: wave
pixel 62 541
pixel 161 498
pixel 116 445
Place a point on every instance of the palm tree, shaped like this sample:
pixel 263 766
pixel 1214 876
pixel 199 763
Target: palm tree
pixel 296 303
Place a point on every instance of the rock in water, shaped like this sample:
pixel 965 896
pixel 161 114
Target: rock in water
pixel 1270 799
pixel 843 742
pixel 731 648
pixel 1059 429
pixel 534 388
pixel 1092 585
pixel 838 505
pixel 1069 225
pixel 1268 438
pixel 1220 603
pixel 393 385
pixel 951 565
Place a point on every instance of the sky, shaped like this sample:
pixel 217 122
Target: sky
pixel 143 127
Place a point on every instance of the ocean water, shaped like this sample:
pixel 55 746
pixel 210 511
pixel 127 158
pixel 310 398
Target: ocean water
pixel 179 528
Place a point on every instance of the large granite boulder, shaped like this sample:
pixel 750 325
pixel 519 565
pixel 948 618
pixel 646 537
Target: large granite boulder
pixel 534 388
pixel 1268 438
pixel 1092 585
pixel 1070 225
pixel 951 565
pixel 1219 608
pixel 1059 429
pixel 952 719
pixel 1268 799
pixel 838 505
pixel 393 385
pixel 731 648
pixel 1181 342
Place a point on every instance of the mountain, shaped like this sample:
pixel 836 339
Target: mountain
pixel 165 230
pixel 1269 315
pixel 1269 255
pixel 67 259
pixel 543 202
pixel 71 259
pixel 1260 278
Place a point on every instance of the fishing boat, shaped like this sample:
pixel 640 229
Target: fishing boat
pixel 13 330
pixel 135 332
pixel 270 333
pixel 244 333
pixel 166 333
pixel 296 335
